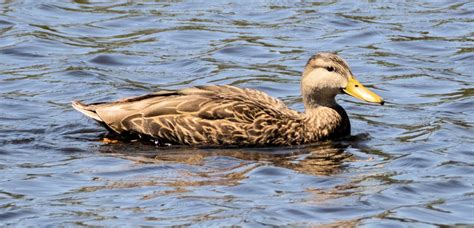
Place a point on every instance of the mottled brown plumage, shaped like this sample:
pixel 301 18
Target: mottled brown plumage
pixel 228 115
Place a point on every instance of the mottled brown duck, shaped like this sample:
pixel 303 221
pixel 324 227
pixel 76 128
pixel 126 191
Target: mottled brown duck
pixel 228 115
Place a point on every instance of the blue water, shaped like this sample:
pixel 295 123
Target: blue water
pixel 408 163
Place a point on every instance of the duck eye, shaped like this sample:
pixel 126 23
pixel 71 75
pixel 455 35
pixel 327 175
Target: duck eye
pixel 330 69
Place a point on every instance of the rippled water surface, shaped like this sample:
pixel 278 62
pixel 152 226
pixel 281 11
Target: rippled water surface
pixel 407 163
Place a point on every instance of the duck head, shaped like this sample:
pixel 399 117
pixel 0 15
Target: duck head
pixel 326 75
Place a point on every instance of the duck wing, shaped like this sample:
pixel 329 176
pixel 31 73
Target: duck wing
pixel 203 114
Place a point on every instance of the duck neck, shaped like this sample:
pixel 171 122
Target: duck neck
pixel 326 117
pixel 321 100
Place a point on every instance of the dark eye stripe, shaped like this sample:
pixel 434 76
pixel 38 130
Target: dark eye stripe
pixel 330 69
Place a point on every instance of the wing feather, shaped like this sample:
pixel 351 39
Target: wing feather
pixel 204 113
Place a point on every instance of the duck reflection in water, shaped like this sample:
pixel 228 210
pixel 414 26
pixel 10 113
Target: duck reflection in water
pixel 188 167
pixel 323 158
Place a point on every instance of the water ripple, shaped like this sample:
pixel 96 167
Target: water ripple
pixel 408 163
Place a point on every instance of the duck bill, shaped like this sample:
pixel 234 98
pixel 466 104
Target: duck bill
pixel 357 90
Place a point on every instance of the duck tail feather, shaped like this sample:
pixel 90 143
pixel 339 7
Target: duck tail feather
pixel 86 110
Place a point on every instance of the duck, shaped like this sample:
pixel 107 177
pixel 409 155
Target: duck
pixel 225 115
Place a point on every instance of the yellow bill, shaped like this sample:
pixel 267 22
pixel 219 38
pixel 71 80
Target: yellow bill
pixel 357 90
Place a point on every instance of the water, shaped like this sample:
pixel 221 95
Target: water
pixel 407 163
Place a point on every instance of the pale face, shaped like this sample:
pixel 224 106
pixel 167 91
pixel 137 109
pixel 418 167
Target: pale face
pixel 327 75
